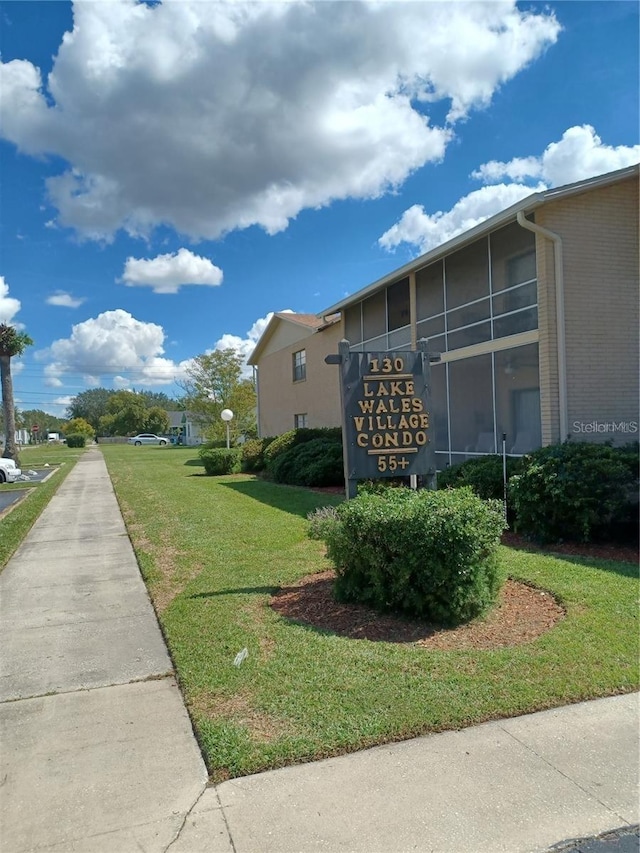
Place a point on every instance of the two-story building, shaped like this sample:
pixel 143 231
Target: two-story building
pixel 534 312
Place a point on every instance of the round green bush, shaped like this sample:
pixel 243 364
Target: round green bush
pixel 253 454
pixel 218 460
pixel 76 439
pixel 484 474
pixel 431 555
pixel 314 463
pixel 576 491
pixel 298 436
pixel 279 445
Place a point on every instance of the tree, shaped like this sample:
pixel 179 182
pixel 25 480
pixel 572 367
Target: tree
pixel 43 420
pixel 90 405
pixel 154 399
pixel 156 421
pixel 12 343
pixel 80 427
pixel 128 413
pixel 95 406
pixel 215 383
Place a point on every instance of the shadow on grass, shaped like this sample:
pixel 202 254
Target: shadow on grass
pixel 195 462
pixel 244 590
pixel 292 499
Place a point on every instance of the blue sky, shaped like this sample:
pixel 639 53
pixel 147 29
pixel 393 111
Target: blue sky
pixel 173 172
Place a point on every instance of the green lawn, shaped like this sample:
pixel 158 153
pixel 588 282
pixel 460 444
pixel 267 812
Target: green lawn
pixel 212 550
pixel 17 522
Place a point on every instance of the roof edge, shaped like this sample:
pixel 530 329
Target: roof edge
pixel 527 205
pixel 289 317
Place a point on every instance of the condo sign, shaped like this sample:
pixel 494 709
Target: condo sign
pixel 387 424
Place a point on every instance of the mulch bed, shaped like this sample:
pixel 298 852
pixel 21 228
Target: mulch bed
pixel 522 614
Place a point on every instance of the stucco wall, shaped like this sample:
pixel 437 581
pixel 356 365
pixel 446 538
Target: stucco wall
pixel 280 398
pixel 599 230
pixel 283 336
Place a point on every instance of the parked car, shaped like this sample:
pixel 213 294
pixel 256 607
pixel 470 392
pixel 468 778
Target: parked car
pixel 9 473
pixel 147 438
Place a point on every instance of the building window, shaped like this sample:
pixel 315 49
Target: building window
pixel 300 421
pixel 398 305
pixel 477 400
pixel 299 365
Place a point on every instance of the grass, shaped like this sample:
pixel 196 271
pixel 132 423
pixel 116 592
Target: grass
pixel 17 522
pixel 212 550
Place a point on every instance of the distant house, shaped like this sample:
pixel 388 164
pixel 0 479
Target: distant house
pixel 22 436
pixel 295 387
pixel 183 429
pixel 535 313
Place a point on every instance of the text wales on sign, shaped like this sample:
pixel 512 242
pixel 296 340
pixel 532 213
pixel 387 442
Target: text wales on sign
pixel 387 419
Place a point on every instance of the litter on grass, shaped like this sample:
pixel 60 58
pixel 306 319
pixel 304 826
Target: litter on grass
pixel 241 656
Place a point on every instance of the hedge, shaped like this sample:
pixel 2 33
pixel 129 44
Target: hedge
pixel 577 491
pixel 218 461
pixel 426 554
pixel 314 463
pixel 298 436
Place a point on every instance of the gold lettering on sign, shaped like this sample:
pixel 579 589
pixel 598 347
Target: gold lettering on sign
pixel 392 422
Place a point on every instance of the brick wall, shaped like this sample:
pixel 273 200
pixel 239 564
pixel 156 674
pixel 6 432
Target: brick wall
pixel 599 230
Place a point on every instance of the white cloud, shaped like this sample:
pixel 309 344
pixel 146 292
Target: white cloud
pixel 579 155
pixel 51 374
pixel 63 401
pixel 245 346
pixel 426 231
pixel 167 273
pixel 9 306
pixel 65 300
pixel 112 344
pixel 212 116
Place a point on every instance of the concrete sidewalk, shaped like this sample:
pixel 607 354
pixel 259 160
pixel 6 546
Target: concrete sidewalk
pixel 511 786
pixel 98 753
pixel 97 747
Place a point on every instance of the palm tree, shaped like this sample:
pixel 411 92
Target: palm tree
pixel 12 342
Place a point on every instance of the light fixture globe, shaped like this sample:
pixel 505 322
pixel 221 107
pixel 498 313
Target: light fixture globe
pixel 226 415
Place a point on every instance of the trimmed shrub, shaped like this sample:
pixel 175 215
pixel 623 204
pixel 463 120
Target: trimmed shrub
pixel 314 463
pixel 253 454
pixel 76 439
pixel 484 474
pixel 322 522
pixel 214 444
pixel 298 436
pixel 79 426
pixel 426 554
pixel 381 486
pixel 219 460
pixel 577 491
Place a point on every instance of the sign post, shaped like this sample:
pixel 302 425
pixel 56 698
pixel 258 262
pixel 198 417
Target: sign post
pixel 387 426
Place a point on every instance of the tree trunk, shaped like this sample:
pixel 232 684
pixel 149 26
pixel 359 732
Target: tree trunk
pixel 10 448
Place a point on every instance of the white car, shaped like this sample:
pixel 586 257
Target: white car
pixel 9 472
pixel 147 438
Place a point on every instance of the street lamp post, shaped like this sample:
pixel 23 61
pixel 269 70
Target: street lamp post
pixel 227 416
